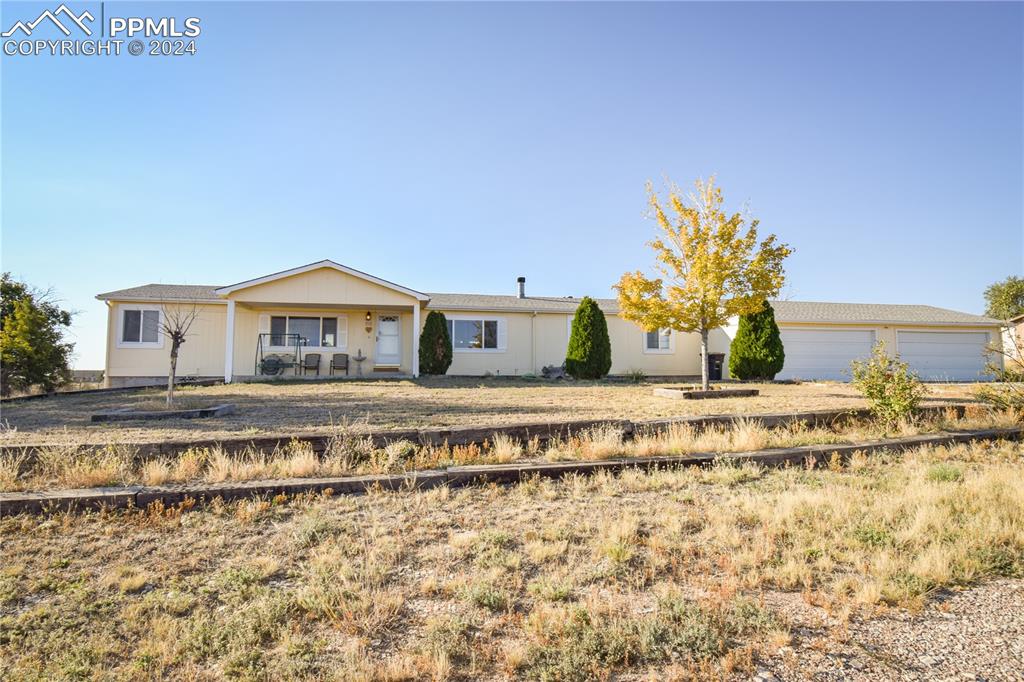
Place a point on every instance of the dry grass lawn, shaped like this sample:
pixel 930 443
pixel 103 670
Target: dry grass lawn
pixel 667 572
pixel 288 407
pixel 347 454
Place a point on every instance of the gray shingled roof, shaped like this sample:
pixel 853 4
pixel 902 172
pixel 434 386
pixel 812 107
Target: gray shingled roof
pixel 785 311
pixel 882 313
pixel 547 304
pixel 163 292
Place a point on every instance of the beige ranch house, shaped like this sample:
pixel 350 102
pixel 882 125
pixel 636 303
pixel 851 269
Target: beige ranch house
pixel 303 320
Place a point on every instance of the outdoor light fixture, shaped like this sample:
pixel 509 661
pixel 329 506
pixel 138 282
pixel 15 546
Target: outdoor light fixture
pixel 369 317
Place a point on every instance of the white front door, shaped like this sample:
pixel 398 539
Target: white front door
pixel 389 343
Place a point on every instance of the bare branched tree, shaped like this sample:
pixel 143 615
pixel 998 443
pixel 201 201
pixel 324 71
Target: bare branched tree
pixel 1007 391
pixel 175 323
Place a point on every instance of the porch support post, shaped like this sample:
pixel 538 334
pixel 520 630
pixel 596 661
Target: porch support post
pixel 416 340
pixel 229 344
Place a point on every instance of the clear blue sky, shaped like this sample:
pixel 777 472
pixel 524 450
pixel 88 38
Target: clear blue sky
pixel 452 147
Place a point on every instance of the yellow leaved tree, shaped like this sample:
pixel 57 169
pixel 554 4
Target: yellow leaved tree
pixel 712 267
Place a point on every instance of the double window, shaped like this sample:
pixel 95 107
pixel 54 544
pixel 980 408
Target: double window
pixel 474 334
pixel 140 327
pixel 658 341
pixel 321 332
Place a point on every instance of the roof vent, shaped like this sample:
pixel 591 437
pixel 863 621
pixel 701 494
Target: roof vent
pixel 521 281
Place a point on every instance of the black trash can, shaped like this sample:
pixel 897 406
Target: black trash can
pixel 715 362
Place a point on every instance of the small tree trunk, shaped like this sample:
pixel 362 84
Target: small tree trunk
pixel 705 384
pixel 170 375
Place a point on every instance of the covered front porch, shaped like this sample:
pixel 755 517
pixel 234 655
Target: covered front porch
pixel 325 341
pixel 319 321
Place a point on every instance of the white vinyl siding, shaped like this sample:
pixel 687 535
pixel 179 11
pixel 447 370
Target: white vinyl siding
pixel 139 327
pixel 823 353
pixel 944 356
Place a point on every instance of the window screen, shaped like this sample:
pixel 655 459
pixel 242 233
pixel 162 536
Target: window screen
pixel 150 326
pixel 132 326
pixel 308 329
pixel 278 328
pixel 329 336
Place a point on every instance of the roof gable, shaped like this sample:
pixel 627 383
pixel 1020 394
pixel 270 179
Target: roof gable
pixel 328 264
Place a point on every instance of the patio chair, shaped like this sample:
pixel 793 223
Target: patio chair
pixel 339 361
pixel 311 362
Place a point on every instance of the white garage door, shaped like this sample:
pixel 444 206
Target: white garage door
pixel 823 354
pixel 944 356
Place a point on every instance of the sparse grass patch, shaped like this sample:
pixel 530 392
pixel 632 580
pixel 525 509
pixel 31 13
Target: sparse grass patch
pixel 944 473
pixel 354 407
pixel 670 571
pixel 583 642
pixel 552 589
pixel 72 465
pixel 486 594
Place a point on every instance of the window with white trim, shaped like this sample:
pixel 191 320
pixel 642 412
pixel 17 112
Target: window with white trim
pixel 479 334
pixel 139 327
pixel 658 341
pixel 318 332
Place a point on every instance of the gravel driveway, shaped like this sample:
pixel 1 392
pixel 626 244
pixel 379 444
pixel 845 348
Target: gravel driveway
pixel 975 634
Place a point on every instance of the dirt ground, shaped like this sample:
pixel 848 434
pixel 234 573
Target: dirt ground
pixel 288 407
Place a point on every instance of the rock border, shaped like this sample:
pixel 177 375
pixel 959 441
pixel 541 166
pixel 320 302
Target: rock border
pixel 142 496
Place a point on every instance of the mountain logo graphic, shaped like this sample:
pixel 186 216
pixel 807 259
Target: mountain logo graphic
pixel 78 20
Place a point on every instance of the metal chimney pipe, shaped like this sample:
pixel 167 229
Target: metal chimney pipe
pixel 521 281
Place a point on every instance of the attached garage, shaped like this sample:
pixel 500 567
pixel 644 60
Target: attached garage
pixel 822 339
pixel 823 353
pixel 944 355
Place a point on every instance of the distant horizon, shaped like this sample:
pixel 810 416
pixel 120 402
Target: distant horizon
pixel 456 146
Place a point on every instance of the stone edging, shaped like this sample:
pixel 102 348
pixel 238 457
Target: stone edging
pixel 143 496
pixel 195 413
pixel 696 394
pixel 469 435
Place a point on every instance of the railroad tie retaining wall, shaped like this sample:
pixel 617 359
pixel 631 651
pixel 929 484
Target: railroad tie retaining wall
pixel 478 435
pixel 143 496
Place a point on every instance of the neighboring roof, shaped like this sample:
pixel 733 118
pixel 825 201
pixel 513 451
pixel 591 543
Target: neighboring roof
pixel 546 304
pixel 1016 319
pixel 873 313
pixel 316 266
pixel 164 292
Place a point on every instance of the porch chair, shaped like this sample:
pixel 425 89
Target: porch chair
pixel 339 361
pixel 311 362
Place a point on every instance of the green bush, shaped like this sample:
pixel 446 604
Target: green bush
pixel 590 350
pixel 757 352
pixel 636 376
pixel 944 472
pixel 435 345
pixel 892 390
pixel 33 351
